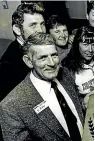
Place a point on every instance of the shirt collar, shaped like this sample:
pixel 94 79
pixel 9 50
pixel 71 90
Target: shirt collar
pixel 87 66
pixel 42 86
pixel 20 40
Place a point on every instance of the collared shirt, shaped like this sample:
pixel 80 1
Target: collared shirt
pixel 85 78
pixel 20 40
pixel 48 94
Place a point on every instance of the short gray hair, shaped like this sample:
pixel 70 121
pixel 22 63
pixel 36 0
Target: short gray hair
pixel 38 39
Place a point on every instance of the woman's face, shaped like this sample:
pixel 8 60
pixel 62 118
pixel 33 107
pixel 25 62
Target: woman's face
pixel 86 50
pixel 60 35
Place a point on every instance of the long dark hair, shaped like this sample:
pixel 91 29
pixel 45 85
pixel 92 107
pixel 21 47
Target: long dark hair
pixel 74 60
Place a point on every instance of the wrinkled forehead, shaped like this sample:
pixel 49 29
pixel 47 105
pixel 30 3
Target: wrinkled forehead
pixel 43 49
pixel 35 17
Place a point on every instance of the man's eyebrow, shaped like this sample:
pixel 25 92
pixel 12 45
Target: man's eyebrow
pixel 54 53
pixel 43 22
pixel 41 56
pixel 34 23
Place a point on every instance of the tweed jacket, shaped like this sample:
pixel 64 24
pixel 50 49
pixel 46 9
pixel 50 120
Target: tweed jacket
pixel 19 121
pixel 12 68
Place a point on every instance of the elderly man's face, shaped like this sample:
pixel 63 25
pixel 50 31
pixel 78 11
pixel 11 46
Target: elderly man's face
pixel 33 24
pixel 91 17
pixel 45 61
pixel 60 34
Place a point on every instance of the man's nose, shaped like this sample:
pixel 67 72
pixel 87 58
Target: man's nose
pixel 62 33
pixel 50 61
pixel 39 29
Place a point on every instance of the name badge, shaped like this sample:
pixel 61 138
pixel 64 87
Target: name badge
pixel 40 107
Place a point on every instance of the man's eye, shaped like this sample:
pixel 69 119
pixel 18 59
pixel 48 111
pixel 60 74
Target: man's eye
pixel 43 24
pixel 42 58
pixel 65 30
pixel 33 25
pixel 54 55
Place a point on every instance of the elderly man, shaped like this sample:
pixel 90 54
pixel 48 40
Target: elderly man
pixel 58 29
pixel 44 106
pixel 26 20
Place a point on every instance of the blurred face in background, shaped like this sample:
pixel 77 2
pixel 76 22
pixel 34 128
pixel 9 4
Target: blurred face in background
pixel 60 34
pixel 91 17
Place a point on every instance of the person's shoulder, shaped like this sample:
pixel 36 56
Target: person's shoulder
pixel 64 71
pixel 12 52
pixel 66 75
pixel 18 95
pixel 13 45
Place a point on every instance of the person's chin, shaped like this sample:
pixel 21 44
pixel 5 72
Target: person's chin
pixel 62 43
pixel 88 58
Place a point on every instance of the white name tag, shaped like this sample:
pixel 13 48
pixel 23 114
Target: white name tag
pixel 40 107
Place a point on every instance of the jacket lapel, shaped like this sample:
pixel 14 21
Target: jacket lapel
pixel 46 115
pixel 69 85
pixel 48 118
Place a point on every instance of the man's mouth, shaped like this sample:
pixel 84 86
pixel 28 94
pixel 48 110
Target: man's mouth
pixel 51 70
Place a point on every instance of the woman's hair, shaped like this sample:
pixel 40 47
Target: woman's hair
pixel 55 20
pixel 74 60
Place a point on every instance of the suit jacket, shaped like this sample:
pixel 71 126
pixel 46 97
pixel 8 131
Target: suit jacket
pixel 12 68
pixel 20 122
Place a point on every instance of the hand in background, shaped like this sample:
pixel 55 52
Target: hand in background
pixel 71 38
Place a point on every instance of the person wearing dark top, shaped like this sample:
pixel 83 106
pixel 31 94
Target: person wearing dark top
pixel 26 20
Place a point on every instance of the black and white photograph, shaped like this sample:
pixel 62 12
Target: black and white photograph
pixel 46 70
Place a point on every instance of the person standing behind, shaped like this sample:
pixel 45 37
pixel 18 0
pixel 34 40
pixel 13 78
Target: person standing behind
pixel 80 62
pixel 59 31
pixel 26 20
pixel 90 12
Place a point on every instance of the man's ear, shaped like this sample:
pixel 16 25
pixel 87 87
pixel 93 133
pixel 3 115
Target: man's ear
pixel 27 61
pixel 16 29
